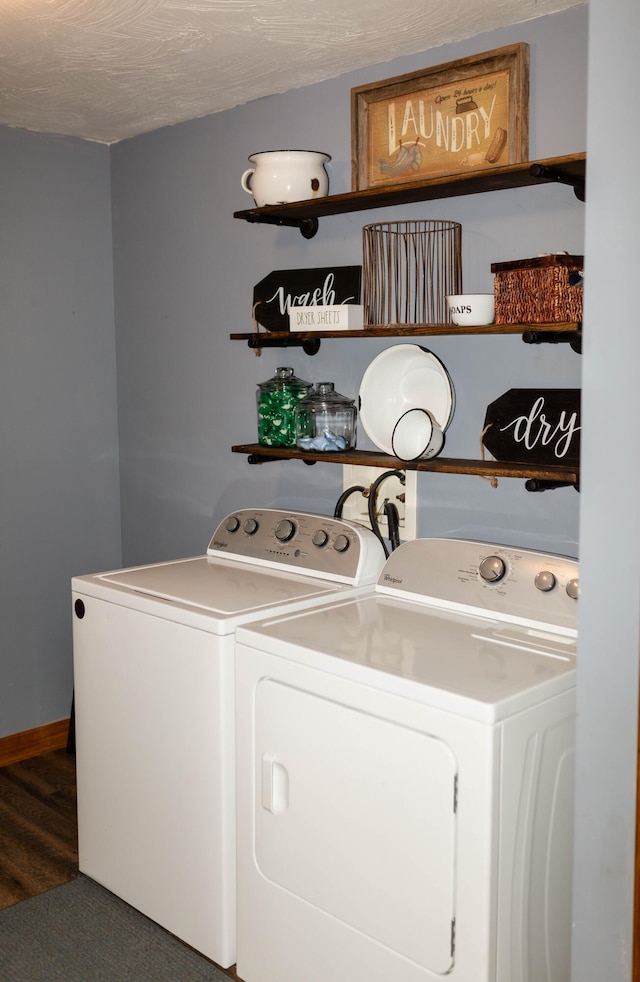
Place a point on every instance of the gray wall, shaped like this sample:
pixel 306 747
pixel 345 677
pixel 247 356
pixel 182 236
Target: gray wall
pixel 59 496
pixel 610 520
pixel 184 276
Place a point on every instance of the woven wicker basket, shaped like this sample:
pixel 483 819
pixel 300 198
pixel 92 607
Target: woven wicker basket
pixel 538 291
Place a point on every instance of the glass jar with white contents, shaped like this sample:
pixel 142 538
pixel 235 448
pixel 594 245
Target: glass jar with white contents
pixel 325 420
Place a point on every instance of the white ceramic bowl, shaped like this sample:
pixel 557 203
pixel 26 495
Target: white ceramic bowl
pixel 416 435
pixel 471 308
pixel 402 377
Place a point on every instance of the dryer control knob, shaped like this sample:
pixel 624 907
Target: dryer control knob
pixel 320 538
pixel 492 569
pixel 251 526
pixel 573 588
pixel 285 530
pixel 232 524
pixel 341 543
pixel 545 581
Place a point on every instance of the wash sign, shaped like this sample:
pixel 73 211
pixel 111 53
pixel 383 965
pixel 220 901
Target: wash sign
pixel 284 290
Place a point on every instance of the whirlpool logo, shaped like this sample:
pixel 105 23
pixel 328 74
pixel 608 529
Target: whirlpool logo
pixel 391 579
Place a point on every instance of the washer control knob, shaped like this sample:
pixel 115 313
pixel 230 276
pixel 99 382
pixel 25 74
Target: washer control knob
pixel 492 569
pixel 545 581
pixel 251 526
pixel 573 588
pixel 341 543
pixel 285 530
pixel 232 524
pixel 320 538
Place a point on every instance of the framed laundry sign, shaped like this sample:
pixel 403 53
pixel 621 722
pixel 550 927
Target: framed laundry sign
pixel 536 426
pixel 461 116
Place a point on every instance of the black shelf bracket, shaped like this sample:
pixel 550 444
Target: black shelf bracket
pixel 559 176
pixel 310 346
pixel 258 458
pixel 573 338
pixel 308 226
pixel 535 484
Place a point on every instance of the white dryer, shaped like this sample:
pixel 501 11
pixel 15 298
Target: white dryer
pixel 405 775
pixel 154 702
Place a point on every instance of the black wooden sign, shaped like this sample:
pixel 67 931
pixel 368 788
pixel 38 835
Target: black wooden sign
pixel 277 293
pixel 537 426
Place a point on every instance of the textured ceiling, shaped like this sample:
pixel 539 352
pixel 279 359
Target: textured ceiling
pixel 105 70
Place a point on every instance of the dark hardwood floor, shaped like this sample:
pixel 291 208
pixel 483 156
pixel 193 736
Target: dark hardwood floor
pixel 38 826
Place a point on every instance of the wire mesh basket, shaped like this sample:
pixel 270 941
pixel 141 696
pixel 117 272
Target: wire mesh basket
pixel 408 269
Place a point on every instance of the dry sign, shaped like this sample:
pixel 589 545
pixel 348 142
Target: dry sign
pixel 462 116
pixel 535 426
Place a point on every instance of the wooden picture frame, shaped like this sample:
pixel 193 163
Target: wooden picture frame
pixel 462 116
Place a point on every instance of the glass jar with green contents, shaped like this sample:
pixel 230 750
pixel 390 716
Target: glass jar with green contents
pixel 277 401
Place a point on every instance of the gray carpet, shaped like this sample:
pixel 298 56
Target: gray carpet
pixel 80 932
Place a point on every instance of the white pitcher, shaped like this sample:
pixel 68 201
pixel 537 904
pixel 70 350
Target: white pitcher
pixel 280 176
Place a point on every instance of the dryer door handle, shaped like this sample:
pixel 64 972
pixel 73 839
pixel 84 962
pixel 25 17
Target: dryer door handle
pixel 275 784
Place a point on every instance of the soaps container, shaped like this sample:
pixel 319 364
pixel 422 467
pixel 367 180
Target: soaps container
pixel 325 420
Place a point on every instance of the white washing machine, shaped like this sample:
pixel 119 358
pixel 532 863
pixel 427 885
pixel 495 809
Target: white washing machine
pixel 154 702
pixel 405 775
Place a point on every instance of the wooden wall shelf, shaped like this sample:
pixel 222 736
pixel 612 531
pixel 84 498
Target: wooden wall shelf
pixel 541 476
pixel 570 169
pixel 310 340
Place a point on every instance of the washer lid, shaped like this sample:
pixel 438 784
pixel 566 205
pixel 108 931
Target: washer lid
pixel 216 587
pixel 477 667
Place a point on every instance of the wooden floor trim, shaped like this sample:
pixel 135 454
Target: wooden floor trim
pixel 636 905
pixel 30 743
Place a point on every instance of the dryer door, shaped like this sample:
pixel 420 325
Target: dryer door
pixel 355 815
